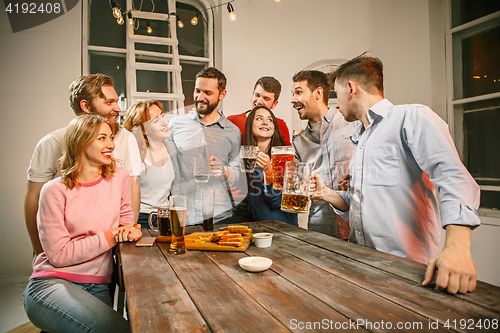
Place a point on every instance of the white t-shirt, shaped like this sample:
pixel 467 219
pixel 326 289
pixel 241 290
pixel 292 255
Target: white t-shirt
pixel 44 164
pixel 155 186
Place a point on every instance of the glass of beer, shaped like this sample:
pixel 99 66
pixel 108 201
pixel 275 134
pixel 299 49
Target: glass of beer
pixel 207 208
pixel 279 156
pixel 178 214
pixel 297 180
pixel 201 169
pixel 162 221
pixel 248 158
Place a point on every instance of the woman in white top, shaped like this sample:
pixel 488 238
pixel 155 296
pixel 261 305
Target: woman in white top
pixel 148 122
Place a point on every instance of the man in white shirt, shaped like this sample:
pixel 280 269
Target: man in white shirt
pixel 403 153
pixel 92 93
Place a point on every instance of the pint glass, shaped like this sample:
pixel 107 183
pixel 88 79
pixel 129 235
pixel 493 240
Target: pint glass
pixel 279 156
pixel 178 214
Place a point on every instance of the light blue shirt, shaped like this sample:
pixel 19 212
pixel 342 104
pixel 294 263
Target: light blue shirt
pixel 192 137
pixel 402 154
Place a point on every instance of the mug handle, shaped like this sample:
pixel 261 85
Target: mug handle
pixel 150 221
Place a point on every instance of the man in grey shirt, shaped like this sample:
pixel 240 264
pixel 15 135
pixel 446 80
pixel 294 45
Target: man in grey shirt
pixel 207 133
pixel 324 143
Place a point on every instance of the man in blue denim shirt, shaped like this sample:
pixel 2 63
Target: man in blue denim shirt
pixel 402 152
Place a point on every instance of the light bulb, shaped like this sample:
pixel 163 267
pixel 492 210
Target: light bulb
pixel 230 9
pixel 120 20
pixel 149 29
pixel 130 18
pixel 179 23
pixel 194 20
pixel 116 12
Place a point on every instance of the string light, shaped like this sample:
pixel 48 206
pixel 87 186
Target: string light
pixel 130 18
pixel 116 11
pixel 149 29
pixel 194 20
pixel 230 9
pixel 120 20
pixel 179 22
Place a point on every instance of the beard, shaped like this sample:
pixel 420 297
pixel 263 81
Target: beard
pixel 209 108
pixel 115 124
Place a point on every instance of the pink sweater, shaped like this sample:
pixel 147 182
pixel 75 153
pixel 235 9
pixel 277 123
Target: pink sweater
pixel 74 228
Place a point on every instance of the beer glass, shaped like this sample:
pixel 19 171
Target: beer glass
pixel 207 208
pixel 297 180
pixel 248 158
pixel 162 221
pixel 279 156
pixel 201 169
pixel 178 214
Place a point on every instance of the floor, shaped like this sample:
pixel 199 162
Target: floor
pixel 11 305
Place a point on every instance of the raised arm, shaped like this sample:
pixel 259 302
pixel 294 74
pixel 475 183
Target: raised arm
pixel 319 191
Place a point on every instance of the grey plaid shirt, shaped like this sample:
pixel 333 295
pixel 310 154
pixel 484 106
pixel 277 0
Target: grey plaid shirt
pixel 192 137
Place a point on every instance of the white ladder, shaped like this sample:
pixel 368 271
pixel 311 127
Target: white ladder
pixel 176 96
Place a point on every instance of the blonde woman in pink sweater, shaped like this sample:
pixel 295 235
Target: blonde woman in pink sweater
pixel 81 216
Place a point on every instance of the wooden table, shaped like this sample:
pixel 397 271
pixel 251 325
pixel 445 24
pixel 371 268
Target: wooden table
pixel 316 283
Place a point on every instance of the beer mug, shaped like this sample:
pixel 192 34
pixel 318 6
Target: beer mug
pixel 296 183
pixel 178 215
pixel 248 158
pixel 162 221
pixel 279 156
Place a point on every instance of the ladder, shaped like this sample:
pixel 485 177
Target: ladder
pixel 175 96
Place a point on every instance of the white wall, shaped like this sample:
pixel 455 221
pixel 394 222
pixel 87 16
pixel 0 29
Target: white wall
pixel 268 38
pixel 279 39
pixel 37 67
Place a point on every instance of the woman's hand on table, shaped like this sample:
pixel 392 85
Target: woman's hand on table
pixel 127 233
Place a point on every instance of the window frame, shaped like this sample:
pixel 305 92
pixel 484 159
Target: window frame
pixel 455 107
pixel 202 5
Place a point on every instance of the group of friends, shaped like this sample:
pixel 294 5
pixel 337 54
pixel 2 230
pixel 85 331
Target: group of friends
pixel 376 168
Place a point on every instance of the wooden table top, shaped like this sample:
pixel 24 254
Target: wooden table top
pixel 316 283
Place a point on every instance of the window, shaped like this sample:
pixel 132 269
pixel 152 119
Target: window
pixel 144 64
pixel 473 53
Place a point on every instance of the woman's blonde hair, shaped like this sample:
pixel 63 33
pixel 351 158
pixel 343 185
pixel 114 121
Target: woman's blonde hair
pixel 137 116
pixel 80 133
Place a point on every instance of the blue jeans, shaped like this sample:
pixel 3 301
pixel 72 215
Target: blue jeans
pixel 57 305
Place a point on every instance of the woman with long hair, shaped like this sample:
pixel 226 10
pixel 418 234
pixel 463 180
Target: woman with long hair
pixel 81 216
pixel 147 121
pixel 264 202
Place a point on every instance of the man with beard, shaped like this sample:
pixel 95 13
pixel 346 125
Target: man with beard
pixel 403 154
pixel 207 134
pixel 265 93
pixel 94 93
pixel 324 143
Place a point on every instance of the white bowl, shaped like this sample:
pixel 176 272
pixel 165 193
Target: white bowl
pixel 263 239
pixel 255 264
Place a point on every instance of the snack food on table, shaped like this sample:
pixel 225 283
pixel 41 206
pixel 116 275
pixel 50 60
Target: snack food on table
pixel 238 229
pixel 231 243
